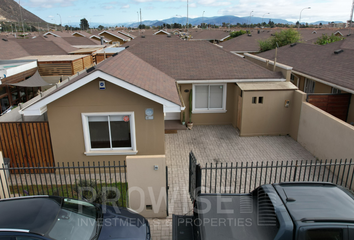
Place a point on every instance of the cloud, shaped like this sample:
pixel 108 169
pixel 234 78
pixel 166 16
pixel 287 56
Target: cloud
pixel 125 6
pixel 331 10
pixel 213 3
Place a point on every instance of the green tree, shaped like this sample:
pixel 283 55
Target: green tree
pixel 325 39
pixel 84 25
pixel 100 27
pixel 237 33
pixel 282 38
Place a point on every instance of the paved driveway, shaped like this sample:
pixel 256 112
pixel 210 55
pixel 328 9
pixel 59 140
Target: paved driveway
pixel 215 144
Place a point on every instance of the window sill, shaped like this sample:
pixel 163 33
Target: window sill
pixel 110 152
pixel 208 111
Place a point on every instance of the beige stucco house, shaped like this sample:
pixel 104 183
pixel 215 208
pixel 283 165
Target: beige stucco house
pixel 318 70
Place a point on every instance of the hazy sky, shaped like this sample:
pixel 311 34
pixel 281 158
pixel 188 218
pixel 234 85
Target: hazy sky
pixel 119 11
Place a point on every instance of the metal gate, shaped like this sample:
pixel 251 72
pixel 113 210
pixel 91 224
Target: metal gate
pixel 194 177
pixel 167 188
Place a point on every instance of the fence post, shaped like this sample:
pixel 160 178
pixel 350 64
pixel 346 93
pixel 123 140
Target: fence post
pixel 3 180
pixel 198 176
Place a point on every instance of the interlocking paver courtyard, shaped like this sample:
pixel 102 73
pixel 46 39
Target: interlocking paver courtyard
pixel 215 144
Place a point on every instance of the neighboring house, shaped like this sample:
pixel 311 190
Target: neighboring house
pixel 12 72
pixel 39 46
pixel 114 37
pixel 107 53
pixel 246 43
pixel 81 34
pixel 161 32
pixel 223 86
pixel 318 69
pixel 215 36
pixel 61 65
pixel 97 38
pixel 10 49
pixel 127 34
pixel 58 34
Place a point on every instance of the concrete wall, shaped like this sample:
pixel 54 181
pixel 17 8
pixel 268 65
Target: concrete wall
pixel 4 193
pixel 147 185
pixel 350 119
pixel 269 118
pixel 325 136
pixel 286 73
pixel 236 95
pixel 64 116
pixel 210 118
pixel 299 98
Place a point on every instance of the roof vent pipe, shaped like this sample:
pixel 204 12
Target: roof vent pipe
pixel 338 51
pixel 101 40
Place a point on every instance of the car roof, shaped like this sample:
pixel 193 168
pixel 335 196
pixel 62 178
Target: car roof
pixel 35 214
pixel 317 202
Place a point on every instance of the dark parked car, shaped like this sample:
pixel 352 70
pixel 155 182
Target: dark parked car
pixel 49 217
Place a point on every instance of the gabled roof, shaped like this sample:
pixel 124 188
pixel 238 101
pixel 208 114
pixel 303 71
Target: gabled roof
pixel 80 41
pixel 99 38
pixel 58 34
pixel 210 35
pixel 82 34
pixel 116 35
pixel 11 49
pixel 127 34
pixel 61 43
pixel 198 60
pixel 127 71
pixel 162 31
pixel 39 46
pixel 318 61
pixel 245 43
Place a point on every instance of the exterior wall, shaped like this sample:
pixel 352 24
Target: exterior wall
pixel 299 98
pixel 147 186
pixel 236 95
pixel 269 118
pixel 64 116
pixel 286 73
pixel 210 118
pixel 322 88
pixel 113 39
pixel 55 68
pixel 350 119
pixel 325 136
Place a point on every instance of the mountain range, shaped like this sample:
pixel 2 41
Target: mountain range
pixel 217 20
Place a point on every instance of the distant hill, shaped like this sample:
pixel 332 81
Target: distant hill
pixel 10 11
pixel 218 20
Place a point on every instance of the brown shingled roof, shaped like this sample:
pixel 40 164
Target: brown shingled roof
pixel 209 34
pixel 80 41
pixel 128 67
pixel 198 60
pixel 245 42
pixel 38 46
pixel 61 43
pixel 11 50
pixel 318 61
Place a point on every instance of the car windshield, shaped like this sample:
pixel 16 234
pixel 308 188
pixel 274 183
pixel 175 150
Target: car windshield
pixel 76 220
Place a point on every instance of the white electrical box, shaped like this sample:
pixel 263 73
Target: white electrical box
pixel 102 85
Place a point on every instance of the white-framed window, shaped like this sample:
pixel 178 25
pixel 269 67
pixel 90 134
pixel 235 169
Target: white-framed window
pixel 336 90
pixel 109 133
pixel 209 98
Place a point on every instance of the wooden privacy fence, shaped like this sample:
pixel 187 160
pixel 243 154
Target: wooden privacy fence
pixel 27 144
pixel 335 104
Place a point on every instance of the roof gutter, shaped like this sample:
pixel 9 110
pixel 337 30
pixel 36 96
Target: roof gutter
pixel 325 82
pixel 230 81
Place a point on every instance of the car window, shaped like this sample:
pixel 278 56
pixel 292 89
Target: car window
pixel 324 234
pixel 18 238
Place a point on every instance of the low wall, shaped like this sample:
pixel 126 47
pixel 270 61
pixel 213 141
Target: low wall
pixel 324 135
pixel 146 177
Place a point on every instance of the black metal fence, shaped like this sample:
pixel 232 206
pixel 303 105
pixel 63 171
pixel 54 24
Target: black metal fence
pixel 244 177
pixel 92 181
